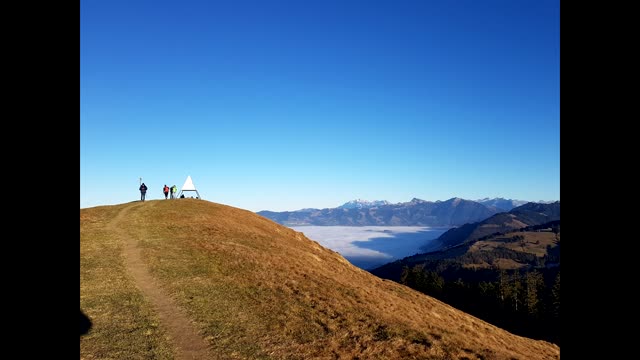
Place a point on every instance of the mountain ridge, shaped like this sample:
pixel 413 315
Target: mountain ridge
pixel 361 204
pixel 503 204
pixel 525 215
pixel 417 212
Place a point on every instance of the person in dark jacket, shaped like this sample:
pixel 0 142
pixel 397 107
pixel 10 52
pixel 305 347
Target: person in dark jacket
pixel 143 191
pixel 165 190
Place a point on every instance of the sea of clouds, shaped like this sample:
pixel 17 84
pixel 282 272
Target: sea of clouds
pixel 371 246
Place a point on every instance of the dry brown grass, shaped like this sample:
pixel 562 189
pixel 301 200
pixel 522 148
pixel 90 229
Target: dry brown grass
pixel 533 242
pixel 259 290
pixel 123 324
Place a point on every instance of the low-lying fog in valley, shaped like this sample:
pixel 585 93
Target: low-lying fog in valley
pixel 368 247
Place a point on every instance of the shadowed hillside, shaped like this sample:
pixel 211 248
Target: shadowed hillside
pixel 254 289
pixel 509 279
pixel 520 217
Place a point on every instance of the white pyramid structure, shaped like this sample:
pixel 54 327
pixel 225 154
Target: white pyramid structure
pixel 188 186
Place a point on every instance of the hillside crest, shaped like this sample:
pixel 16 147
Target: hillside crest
pixel 256 289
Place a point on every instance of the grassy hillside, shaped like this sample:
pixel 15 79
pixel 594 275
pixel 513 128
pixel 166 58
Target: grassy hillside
pixel 528 242
pixel 123 324
pixel 254 289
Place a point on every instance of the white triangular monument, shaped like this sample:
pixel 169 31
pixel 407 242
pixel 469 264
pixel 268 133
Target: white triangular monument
pixel 188 186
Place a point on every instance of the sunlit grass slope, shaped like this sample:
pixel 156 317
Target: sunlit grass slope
pixel 123 324
pixel 259 290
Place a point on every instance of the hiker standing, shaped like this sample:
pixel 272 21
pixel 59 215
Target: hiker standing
pixel 174 189
pixel 143 191
pixel 165 190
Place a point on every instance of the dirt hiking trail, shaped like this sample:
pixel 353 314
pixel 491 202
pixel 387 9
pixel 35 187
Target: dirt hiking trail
pixel 187 343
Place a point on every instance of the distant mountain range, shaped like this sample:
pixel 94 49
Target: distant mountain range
pixel 417 212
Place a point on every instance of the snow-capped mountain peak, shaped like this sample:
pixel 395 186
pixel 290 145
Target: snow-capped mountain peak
pixel 501 203
pixel 361 204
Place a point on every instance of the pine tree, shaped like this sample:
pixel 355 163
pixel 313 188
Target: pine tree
pixel 555 295
pixel 503 286
pixel 405 275
pixel 434 283
pixel 414 277
pixel 516 289
pixel 533 283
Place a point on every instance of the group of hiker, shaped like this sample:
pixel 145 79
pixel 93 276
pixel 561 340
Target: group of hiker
pixel 166 190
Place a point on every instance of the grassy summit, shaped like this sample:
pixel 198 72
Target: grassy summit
pixel 254 289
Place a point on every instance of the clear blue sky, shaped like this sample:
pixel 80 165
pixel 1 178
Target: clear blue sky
pixel 282 105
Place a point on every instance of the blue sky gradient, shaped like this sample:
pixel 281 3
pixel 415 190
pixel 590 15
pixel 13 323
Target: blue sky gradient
pixel 282 105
